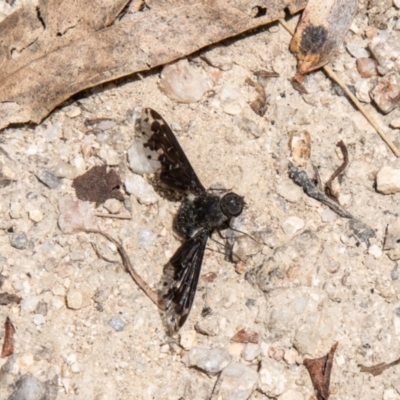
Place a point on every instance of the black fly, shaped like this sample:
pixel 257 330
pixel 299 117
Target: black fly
pixel 199 215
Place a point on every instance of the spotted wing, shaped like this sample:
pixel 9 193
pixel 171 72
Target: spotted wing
pixel 161 144
pixel 180 279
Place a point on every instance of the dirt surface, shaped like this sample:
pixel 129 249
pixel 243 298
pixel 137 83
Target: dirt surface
pixel 84 330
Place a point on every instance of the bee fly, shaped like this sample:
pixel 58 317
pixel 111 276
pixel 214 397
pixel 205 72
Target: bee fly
pixel 199 216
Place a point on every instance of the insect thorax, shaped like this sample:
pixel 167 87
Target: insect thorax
pixel 203 211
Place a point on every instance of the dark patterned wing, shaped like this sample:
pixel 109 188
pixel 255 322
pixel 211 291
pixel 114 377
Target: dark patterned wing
pixel 161 144
pixel 180 279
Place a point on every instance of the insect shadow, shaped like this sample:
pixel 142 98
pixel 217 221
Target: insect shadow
pixel 201 213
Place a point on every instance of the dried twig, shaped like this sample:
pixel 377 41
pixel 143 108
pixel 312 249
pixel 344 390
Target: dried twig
pixel 302 179
pixel 338 172
pixel 128 265
pixel 259 105
pixel 320 372
pixel 353 98
pixel 8 345
pixel 117 216
pixel 379 368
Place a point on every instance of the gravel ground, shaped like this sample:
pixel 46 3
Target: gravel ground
pixel 84 330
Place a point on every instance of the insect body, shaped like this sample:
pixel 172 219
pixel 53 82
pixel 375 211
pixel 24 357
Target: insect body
pixel 198 217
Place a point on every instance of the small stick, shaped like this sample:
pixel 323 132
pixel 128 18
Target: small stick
pixel 118 216
pixel 339 171
pixel 379 368
pixel 153 296
pixel 8 345
pixel 302 179
pixel 353 98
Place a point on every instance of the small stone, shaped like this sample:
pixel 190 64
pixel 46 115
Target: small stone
pixel 232 99
pixel 19 240
pixel 35 215
pixel 73 112
pixel 75 215
pixel 146 238
pixel 65 170
pixel 328 215
pixel 41 308
pixel 117 324
pixel 208 326
pixel 76 299
pixel 105 124
pixel 183 83
pixel 396 3
pixel 48 179
pixel 390 394
pixel 357 51
pixel 386 93
pixel 388 180
pixel 247 125
pixel 290 356
pixel 245 247
pixel 39 319
pixel 138 161
pixel 28 388
pixel 29 304
pixel 395 123
pixel 53 132
pixel 291 395
pixel 366 67
pixel 375 251
pixel 188 339
pixel 143 191
pixel 79 163
pixel 109 155
pixel 238 382
pixel 362 90
pixel 113 206
pixel 289 192
pixel 219 57
pixel 251 351
pixel 273 381
pixel 15 210
pixel 293 225
pixel 211 361
pixel 392 240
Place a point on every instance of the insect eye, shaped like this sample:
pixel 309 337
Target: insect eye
pixel 232 205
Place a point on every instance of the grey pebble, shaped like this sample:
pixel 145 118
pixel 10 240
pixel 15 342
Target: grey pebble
pixel 117 324
pixel 394 274
pixel 48 179
pixel 19 240
pixel 28 388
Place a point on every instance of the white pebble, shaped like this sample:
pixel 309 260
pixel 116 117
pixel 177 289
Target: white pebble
pixel 388 180
pixel 143 191
pixel 35 215
pixel 79 163
pixel 74 112
pixel 375 251
pixel 109 155
pixel 292 225
pixel 395 123
pixel 65 170
pixel 251 351
pixel 396 3
pixel 188 339
pixel 328 215
pixel 15 210
pixel 289 192
pixel 273 381
pixel 232 99
pixel 39 319
pixel 75 299
pixel 75 215
pixel 113 206
pixel 29 304
pixel 357 51
pixel 211 361
pixel 138 161
pixel 290 356
pixel 53 132
pixel 390 394
pixel 238 382
pixel 183 83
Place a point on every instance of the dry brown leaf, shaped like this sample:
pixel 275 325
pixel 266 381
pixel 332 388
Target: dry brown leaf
pixel 246 336
pixel 320 372
pixel 377 369
pixel 321 31
pixel 8 298
pixel 98 185
pixel 50 52
pixel 8 344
